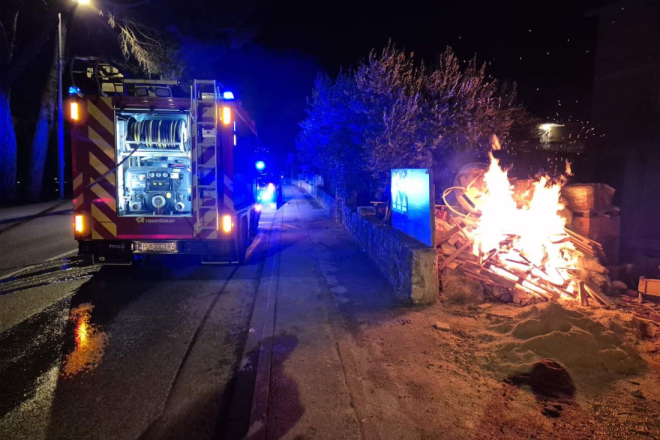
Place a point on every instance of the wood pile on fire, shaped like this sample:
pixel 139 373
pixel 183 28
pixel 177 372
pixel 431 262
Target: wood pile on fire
pixel 513 240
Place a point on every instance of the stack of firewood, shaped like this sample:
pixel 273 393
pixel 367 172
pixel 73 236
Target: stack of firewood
pixel 513 279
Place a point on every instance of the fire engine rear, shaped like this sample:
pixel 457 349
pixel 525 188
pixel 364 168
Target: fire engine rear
pixel 154 172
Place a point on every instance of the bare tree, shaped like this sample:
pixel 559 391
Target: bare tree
pixel 43 134
pixel 138 43
pixel 14 59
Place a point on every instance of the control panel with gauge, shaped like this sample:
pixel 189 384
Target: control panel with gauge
pixel 160 190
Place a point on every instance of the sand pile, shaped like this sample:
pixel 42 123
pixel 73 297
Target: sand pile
pixel 592 346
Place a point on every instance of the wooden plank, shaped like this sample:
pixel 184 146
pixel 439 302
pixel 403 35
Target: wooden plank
pixel 649 286
pixel 458 225
pixel 582 238
pixel 596 293
pixel 538 289
pixel 447 249
pixel 466 257
pixel 582 294
pixel 500 280
pixel 577 236
pixel 452 257
pixel 447 235
pixel 586 250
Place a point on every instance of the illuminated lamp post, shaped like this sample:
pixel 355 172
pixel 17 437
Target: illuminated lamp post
pixel 60 107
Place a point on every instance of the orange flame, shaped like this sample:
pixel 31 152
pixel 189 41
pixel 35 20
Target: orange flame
pixel 495 142
pixel 527 238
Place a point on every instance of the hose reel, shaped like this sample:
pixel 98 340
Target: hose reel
pixel 157 133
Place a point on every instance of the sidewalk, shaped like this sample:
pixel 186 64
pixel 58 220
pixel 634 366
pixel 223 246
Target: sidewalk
pixel 309 395
pixel 316 391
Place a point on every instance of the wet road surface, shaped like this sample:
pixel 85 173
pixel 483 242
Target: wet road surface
pixel 32 233
pixel 146 351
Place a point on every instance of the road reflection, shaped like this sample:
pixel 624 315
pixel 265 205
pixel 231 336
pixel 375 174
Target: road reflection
pixel 90 343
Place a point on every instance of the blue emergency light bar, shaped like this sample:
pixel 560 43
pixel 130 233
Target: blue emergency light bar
pixel 227 95
pixel 74 90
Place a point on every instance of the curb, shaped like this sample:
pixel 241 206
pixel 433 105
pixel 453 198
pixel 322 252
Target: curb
pixel 249 403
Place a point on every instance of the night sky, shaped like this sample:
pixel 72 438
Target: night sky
pixel 547 47
pixel 271 61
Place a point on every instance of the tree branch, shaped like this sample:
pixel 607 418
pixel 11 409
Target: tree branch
pixel 30 51
pixel 5 48
pixel 142 44
pixel 8 34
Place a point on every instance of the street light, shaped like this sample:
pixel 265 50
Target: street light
pixel 60 107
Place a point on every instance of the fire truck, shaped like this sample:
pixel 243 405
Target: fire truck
pixel 161 170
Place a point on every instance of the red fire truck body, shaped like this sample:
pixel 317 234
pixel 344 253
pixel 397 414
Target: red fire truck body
pixel 156 173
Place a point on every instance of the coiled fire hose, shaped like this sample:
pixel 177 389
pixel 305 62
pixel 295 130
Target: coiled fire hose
pixel 153 133
pixel 156 133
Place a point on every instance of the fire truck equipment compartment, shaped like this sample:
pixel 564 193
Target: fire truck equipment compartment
pixel 156 180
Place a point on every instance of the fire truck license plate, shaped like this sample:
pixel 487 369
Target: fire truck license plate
pixel 158 247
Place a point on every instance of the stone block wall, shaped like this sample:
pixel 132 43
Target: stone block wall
pixel 327 201
pixel 408 264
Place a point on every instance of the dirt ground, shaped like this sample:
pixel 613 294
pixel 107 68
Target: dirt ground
pixel 462 372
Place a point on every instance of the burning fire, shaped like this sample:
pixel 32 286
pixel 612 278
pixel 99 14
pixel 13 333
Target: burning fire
pixel 527 240
pixel 513 237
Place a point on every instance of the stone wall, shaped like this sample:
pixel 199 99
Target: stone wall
pixel 408 264
pixel 327 201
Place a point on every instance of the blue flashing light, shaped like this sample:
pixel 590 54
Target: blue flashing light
pixel 227 95
pixel 265 195
pixel 260 165
pixel 74 90
pixel 234 140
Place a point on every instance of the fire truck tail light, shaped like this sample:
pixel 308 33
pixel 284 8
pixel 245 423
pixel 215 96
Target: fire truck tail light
pixel 74 113
pixel 79 223
pixel 226 115
pixel 227 223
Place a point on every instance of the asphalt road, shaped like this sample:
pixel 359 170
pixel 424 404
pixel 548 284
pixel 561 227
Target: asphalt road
pixel 26 238
pixel 147 351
